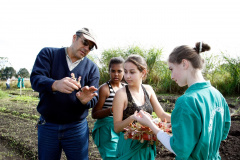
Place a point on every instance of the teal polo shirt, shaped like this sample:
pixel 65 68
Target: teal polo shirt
pixel 200 121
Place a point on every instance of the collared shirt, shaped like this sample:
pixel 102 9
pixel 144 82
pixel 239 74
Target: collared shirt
pixel 71 65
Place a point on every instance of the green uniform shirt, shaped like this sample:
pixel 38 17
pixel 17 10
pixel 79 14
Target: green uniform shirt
pixel 200 121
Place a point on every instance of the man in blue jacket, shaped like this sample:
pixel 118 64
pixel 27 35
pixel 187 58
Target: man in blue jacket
pixel 63 102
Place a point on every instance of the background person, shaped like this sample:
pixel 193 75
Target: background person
pixel 8 83
pixel 63 108
pixel 135 97
pixel 19 81
pixel 201 117
pixel 22 82
pixel 103 132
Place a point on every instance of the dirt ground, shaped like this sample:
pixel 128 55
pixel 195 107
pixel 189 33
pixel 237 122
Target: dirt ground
pixel 18 136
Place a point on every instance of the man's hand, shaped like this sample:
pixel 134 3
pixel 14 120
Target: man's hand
pixel 86 94
pixel 65 85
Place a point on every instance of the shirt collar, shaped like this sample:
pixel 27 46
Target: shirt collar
pixel 199 85
pixel 70 58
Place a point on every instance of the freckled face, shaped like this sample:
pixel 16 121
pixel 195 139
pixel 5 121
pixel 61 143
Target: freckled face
pixel 116 72
pixel 177 74
pixel 131 74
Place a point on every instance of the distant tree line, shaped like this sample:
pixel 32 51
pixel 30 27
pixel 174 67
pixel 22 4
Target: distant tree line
pixel 9 72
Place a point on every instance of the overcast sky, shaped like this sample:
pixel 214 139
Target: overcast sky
pixel 27 26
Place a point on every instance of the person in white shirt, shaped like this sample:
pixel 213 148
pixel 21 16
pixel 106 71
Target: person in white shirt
pixel 8 83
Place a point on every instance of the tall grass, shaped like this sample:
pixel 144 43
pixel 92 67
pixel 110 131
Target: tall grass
pixel 117 52
pixel 222 71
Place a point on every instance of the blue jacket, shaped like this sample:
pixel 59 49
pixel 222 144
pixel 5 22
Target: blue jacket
pixel 57 107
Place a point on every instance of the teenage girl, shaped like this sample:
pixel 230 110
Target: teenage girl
pixel 135 97
pixel 103 133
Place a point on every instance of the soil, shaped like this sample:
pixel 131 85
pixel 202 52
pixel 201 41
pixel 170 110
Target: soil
pixel 18 136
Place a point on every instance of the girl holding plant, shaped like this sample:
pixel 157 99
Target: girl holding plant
pixel 135 97
pixel 201 117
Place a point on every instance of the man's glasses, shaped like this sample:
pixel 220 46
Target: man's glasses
pixel 85 42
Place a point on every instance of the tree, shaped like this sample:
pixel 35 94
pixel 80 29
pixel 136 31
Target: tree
pixel 3 62
pixel 23 72
pixel 8 72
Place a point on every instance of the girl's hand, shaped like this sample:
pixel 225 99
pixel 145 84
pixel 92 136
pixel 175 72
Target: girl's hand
pixel 133 117
pixel 143 117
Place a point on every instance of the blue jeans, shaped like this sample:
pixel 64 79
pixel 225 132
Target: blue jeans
pixel 8 86
pixel 72 138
